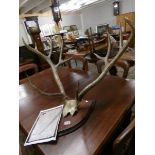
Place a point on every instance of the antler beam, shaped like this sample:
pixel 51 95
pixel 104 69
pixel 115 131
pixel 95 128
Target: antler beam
pixel 71 105
pixel 109 64
pixel 53 68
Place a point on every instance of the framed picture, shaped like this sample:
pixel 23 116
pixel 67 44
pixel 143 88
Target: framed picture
pixel 31 24
pixel 116 8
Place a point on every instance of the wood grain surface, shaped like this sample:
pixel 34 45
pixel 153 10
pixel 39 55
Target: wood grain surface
pixel 114 97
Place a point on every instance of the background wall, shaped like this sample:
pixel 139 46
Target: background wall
pixel 45 20
pixel 23 33
pixel 72 19
pixel 103 13
pixel 89 17
pixel 127 6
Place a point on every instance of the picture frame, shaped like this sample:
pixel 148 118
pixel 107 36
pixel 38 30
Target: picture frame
pixel 116 8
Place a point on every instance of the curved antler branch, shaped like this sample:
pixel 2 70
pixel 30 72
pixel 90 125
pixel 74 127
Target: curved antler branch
pixel 63 61
pixel 109 65
pixel 41 91
pixel 61 50
pixel 60 62
pixel 109 48
pixel 51 47
pixel 99 57
pixel 71 105
pixel 120 38
pixel 34 50
pixel 105 59
pixel 53 68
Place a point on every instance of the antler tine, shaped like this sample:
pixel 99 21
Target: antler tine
pixel 91 36
pixel 34 50
pixel 60 57
pixel 99 57
pixel 41 91
pixel 120 37
pixel 63 61
pixel 50 53
pixel 108 66
pixel 109 48
pixel 105 59
pixel 88 33
pixel 61 51
pixel 35 46
pixel 53 68
pixel 51 47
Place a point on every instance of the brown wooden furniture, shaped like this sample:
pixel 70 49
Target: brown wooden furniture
pixel 82 53
pixel 125 62
pixel 114 97
pixel 26 61
pixel 81 59
pixel 34 32
pixel 20 153
pixel 120 63
pixel 124 143
pixel 25 68
pixel 120 20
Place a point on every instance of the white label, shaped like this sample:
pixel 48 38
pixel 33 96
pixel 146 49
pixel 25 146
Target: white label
pixel 67 122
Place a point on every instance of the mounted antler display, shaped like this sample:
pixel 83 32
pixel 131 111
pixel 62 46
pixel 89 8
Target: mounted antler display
pixel 71 105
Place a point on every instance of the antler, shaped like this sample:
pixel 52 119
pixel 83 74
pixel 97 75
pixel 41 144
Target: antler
pixel 41 91
pixel 53 68
pixel 71 105
pixel 120 38
pixel 108 65
pixel 60 62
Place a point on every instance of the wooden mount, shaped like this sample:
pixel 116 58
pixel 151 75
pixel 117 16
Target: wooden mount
pixel 76 121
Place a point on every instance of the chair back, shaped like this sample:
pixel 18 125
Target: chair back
pixel 25 68
pixel 124 143
pixel 123 64
pixel 81 59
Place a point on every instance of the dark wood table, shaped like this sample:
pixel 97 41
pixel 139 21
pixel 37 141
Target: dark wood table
pixel 114 97
pixel 26 61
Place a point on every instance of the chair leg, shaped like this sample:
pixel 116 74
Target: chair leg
pixel 85 65
pixel 113 70
pixel 99 65
pixel 125 74
pixel 76 63
pixel 123 64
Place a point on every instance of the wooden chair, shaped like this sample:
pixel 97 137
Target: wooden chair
pixel 20 152
pixel 124 144
pixel 24 69
pixel 81 59
pixel 120 63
